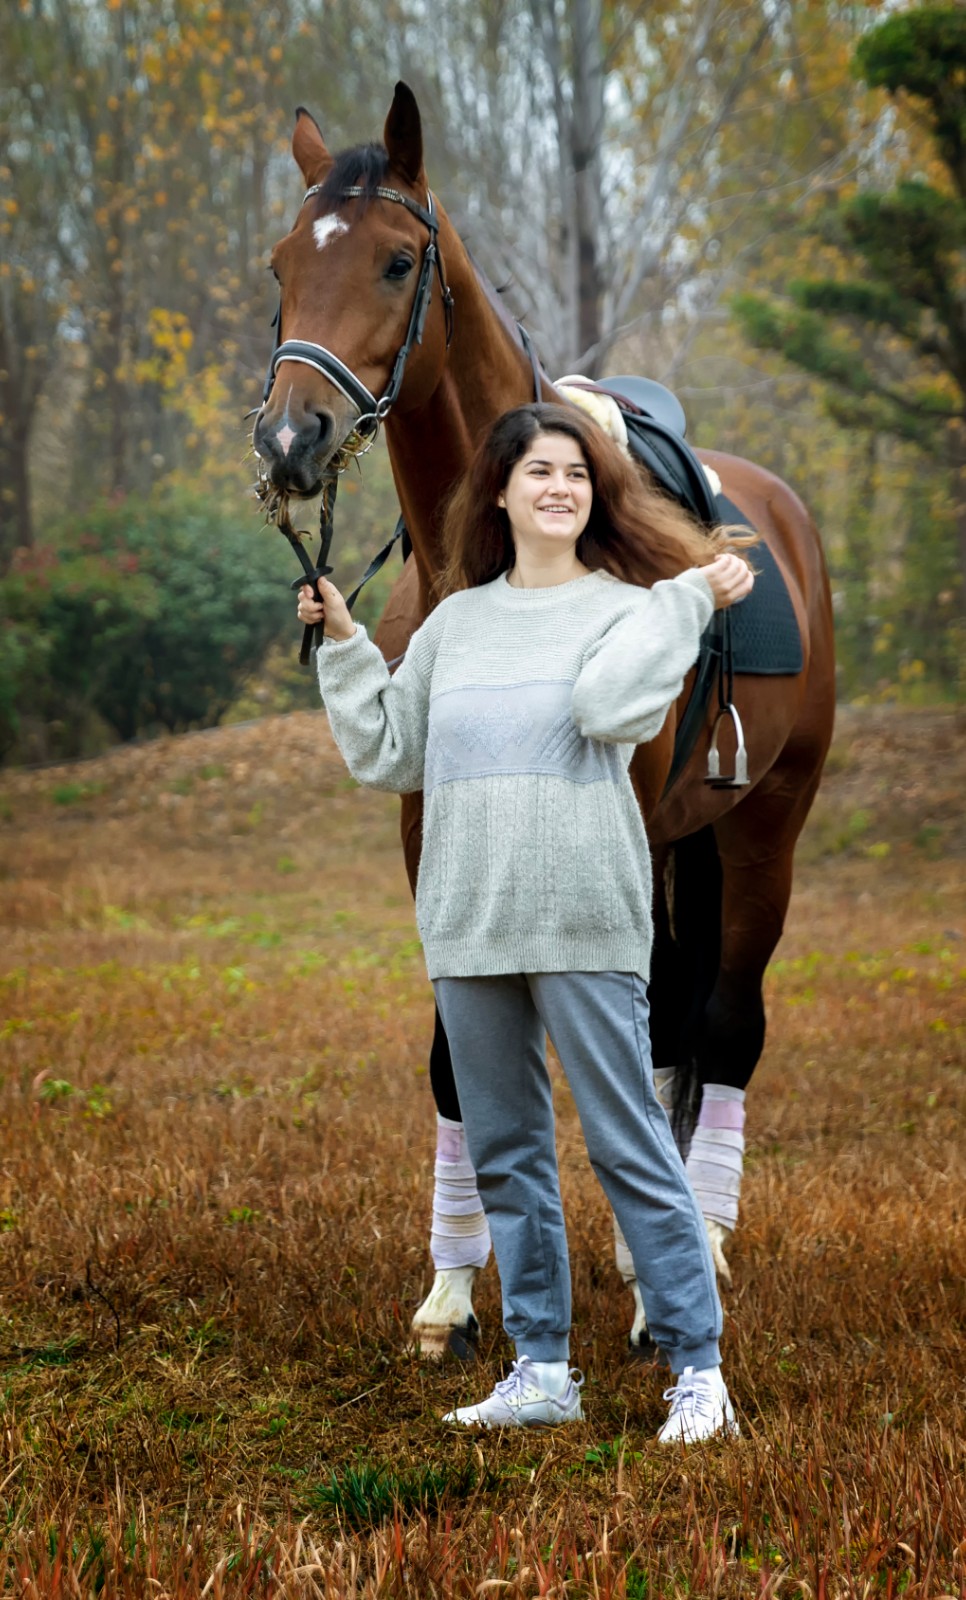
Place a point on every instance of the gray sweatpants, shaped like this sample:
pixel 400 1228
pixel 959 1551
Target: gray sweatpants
pixel 598 1022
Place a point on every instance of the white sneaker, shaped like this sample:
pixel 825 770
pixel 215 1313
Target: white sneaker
pixel 519 1402
pixel 700 1408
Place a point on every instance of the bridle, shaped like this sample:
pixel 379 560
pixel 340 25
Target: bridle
pixel 372 411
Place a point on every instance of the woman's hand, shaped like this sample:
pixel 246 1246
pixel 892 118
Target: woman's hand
pixel 332 613
pixel 730 579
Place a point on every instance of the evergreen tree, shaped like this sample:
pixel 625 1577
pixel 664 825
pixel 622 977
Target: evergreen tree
pixel 886 328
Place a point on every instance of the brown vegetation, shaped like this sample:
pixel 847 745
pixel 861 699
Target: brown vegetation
pixel 214 1196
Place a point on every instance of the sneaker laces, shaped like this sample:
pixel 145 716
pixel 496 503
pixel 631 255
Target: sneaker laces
pixel 519 1378
pixel 692 1394
pixel 512 1386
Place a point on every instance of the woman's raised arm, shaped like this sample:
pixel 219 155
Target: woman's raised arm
pixel 629 681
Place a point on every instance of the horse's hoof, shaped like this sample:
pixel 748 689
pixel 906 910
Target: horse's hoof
pixel 445 1323
pixel 435 1344
pixel 717 1235
pixel 640 1345
pixel 642 1350
pixel 463 1342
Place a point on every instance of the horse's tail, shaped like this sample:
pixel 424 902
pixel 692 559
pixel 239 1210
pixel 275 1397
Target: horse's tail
pixel 687 960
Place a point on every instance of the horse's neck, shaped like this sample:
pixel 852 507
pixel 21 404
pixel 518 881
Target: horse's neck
pixel 486 372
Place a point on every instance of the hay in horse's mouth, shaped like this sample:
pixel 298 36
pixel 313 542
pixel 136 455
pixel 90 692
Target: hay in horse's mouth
pixel 275 501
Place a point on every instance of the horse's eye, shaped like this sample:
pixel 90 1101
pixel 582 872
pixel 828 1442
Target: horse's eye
pixel 399 269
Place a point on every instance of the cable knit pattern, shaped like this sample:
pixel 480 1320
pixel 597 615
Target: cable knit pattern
pixel 517 711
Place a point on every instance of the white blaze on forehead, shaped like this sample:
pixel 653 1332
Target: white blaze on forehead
pixel 328 228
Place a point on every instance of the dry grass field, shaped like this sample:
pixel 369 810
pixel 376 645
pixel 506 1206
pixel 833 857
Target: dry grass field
pixel 215 1183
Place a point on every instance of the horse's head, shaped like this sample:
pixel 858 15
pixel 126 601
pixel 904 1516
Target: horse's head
pixel 353 273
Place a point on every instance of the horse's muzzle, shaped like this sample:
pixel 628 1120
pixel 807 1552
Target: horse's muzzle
pixel 295 456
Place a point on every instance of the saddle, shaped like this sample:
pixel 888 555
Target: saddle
pixel 655 422
pixel 761 635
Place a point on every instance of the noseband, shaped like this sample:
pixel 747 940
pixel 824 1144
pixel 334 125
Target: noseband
pixel 372 411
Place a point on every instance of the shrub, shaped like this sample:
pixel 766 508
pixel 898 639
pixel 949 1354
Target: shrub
pixel 149 614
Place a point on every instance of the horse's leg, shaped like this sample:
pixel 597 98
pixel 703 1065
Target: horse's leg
pixel 460 1238
pixel 756 843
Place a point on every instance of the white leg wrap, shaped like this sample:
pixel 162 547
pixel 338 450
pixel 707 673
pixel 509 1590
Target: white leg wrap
pixel 460 1236
pixel 716 1157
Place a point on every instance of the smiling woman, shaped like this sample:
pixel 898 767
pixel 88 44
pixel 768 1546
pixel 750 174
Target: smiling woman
pixel 516 710
pixel 552 498
pixel 547 500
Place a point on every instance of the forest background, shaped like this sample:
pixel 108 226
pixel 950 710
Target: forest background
pixel 651 184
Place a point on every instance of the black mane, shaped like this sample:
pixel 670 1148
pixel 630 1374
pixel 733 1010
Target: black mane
pixel 365 167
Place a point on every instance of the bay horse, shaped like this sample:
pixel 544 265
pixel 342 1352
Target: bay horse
pixel 380 298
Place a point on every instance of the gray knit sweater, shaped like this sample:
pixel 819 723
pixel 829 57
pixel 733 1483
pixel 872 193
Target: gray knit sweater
pixel 517 712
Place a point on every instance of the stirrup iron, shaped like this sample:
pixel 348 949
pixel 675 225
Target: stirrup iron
pixel 738 779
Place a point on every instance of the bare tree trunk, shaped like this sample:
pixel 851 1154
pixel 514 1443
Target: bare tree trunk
pixel 586 131
pixel 16 519
pixel 117 270
pixel 956 455
pixel 21 382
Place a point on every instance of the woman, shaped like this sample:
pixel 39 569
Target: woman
pixel 516 710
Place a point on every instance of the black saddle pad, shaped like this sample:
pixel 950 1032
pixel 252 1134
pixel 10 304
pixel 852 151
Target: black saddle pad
pixel 764 628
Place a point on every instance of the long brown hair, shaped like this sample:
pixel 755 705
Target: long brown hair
pixel 634 531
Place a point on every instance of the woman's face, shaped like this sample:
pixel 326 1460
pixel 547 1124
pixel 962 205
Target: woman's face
pixel 548 495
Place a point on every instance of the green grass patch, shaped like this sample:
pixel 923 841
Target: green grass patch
pixel 72 794
pixel 51 1355
pixel 364 1496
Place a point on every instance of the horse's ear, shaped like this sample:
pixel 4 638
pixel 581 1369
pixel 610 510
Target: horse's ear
pixel 309 148
pixel 403 135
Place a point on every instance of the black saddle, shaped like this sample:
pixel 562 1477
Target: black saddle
pixel 650 397
pixel 655 423
pixel 760 635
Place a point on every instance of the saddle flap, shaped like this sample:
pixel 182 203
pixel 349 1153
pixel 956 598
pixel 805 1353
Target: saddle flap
pixel 673 465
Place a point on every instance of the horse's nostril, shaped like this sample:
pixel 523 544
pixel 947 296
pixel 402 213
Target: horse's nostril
pixel 326 425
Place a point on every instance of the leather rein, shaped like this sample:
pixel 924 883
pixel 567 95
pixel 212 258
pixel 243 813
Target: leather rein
pixel 372 412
